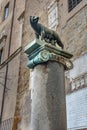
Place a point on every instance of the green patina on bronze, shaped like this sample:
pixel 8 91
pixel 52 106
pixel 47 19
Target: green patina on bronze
pixel 40 52
pixel 46 47
pixel 44 33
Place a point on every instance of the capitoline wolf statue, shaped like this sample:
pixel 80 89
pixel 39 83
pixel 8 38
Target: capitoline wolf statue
pixel 44 33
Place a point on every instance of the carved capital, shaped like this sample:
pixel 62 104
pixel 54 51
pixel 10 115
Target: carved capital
pixel 39 52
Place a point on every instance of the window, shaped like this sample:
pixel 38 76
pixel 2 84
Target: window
pixel 72 4
pixel 1 55
pixel 6 11
pixel 53 15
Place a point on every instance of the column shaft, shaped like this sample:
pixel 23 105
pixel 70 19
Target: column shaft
pixel 48 97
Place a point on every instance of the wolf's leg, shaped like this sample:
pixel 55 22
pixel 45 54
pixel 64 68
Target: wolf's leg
pixel 37 35
pixel 42 34
pixel 53 42
pixel 60 44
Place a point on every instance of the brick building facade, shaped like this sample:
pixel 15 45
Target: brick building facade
pixel 69 19
pixel 10 49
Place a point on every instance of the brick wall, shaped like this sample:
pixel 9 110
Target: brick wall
pixel 13 60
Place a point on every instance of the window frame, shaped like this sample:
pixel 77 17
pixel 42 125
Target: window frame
pixel 72 4
pixel 53 12
pixel 6 11
pixel 1 53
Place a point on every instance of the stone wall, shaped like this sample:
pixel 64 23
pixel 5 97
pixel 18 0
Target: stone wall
pixel 74 33
pixel 11 41
pixel 76 103
pixel 72 30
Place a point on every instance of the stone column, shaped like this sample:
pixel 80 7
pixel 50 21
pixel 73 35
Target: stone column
pixel 47 84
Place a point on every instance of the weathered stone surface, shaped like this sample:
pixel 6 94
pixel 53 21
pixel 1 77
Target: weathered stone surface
pixel 9 42
pixel 72 29
pixel 48 97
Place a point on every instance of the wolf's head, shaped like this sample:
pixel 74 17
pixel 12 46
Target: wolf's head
pixel 34 19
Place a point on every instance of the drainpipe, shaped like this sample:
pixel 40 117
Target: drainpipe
pixel 3 98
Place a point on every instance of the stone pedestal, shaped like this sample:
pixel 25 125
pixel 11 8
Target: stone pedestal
pixel 47 84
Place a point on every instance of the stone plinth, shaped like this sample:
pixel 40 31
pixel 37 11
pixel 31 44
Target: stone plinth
pixel 47 85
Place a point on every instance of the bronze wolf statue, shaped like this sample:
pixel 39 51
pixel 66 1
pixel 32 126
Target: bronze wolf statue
pixel 46 34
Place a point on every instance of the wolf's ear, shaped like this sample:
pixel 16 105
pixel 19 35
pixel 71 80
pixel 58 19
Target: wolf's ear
pixel 38 18
pixel 30 17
